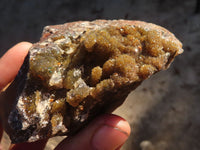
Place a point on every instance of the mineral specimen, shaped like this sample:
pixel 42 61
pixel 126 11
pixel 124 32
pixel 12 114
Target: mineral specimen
pixel 79 70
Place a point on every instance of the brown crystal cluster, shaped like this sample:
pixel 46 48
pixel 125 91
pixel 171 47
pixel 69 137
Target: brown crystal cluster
pixel 81 69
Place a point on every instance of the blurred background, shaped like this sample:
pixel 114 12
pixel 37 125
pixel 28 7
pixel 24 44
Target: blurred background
pixel 164 110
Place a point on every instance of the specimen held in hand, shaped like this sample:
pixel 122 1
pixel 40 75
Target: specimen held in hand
pixel 82 69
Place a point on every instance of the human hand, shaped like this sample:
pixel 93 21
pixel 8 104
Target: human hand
pixel 106 132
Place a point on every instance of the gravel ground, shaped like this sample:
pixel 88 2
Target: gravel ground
pixel 164 110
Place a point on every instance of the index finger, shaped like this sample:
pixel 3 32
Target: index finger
pixel 11 62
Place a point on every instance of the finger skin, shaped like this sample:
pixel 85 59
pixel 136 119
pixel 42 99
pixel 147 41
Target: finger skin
pixel 107 132
pixel 1 132
pixel 11 62
pixel 38 145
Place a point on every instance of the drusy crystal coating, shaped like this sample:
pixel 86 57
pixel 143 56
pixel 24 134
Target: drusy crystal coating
pixel 81 69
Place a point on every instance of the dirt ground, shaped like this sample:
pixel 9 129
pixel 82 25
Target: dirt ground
pixel 164 110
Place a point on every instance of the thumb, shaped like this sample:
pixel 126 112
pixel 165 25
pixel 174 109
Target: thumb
pixel 107 132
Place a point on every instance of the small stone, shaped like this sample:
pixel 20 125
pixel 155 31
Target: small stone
pixel 80 70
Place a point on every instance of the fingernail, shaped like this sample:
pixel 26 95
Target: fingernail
pixel 109 138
